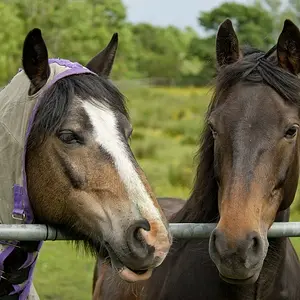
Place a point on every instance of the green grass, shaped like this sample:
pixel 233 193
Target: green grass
pixel 167 125
pixel 63 273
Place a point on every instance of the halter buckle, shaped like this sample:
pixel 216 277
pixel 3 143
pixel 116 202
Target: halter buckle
pixel 17 216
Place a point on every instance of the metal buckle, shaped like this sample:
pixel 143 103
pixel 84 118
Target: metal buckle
pixel 3 277
pixel 20 217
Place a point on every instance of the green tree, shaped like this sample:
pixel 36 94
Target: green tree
pixel 79 29
pixel 280 12
pixel 11 39
pixel 162 50
pixel 253 24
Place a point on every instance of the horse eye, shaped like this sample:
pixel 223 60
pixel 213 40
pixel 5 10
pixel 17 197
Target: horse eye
pixel 291 132
pixel 68 137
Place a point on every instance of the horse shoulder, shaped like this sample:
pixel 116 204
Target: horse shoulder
pixel 170 206
pixel 288 284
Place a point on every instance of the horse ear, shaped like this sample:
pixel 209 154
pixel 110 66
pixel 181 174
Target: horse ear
pixel 227 44
pixel 288 47
pixel 102 63
pixel 35 59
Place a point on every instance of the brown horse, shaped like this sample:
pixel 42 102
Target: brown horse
pixel 81 175
pixel 246 179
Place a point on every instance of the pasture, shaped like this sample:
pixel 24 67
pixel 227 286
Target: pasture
pixel 167 124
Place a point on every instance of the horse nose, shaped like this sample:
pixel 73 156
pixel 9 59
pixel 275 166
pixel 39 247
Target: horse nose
pixel 252 245
pixel 136 242
pixel 246 250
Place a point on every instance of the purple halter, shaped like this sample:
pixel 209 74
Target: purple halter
pixel 22 208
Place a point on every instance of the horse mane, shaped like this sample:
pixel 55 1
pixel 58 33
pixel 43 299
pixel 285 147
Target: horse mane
pixel 254 68
pixel 58 98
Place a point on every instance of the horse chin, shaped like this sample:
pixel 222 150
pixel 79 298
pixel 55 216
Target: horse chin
pixel 250 280
pixel 125 272
pixel 105 251
pixel 132 276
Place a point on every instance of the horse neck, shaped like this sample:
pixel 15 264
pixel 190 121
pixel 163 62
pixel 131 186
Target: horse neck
pixel 202 206
pixel 277 246
pixel 276 256
pixel 283 216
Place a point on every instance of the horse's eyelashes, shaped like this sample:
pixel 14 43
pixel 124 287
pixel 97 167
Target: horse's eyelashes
pixel 69 137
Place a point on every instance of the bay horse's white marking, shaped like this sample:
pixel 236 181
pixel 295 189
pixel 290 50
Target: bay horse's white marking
pixel 107 136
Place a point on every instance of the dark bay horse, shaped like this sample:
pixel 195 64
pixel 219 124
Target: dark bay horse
pixel 246 179
pixel 64 132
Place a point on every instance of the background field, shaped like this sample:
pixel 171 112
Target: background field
pixel 167 125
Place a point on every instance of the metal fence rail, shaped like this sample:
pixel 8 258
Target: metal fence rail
pixel 182 231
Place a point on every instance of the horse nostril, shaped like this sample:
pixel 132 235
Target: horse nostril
pixel 136 229
pixel 255 242
pixel 218 242
pixel 135 240
pixel 142 224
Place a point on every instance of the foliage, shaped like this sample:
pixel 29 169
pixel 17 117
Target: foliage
pixel 252 23
pixel 161 47
pixel 281 10
pixel 79 29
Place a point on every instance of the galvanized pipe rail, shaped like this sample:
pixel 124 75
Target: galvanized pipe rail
pixel 39 232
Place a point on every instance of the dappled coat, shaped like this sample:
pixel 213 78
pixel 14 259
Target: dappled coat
pixel 17 111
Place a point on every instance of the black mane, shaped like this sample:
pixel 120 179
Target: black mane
pixel 56 101
pixel 253 68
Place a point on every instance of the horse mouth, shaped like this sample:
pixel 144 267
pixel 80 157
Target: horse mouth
pixel 250 280
pixel 126 273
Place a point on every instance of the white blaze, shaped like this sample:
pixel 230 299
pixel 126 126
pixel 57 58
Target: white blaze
pixel 106 134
